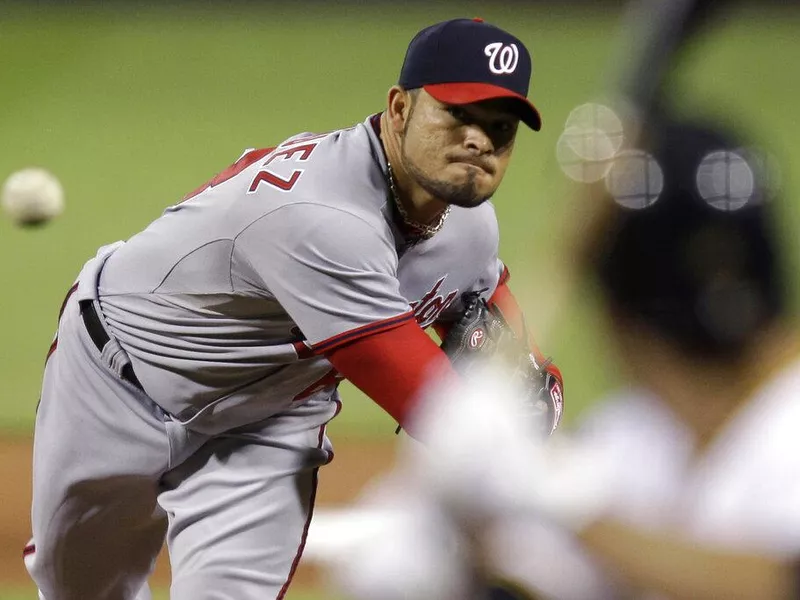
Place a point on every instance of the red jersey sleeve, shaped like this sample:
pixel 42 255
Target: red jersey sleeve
pixel 392 367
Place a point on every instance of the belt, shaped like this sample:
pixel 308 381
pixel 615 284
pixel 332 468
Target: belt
pixel 100 338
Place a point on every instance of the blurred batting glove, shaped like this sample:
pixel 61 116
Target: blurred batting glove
pixel 477 455
pixel 395 544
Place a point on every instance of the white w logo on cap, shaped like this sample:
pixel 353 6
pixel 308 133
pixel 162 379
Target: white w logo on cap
pixel 502 59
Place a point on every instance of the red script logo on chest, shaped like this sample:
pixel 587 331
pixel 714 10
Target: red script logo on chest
pixel 428 308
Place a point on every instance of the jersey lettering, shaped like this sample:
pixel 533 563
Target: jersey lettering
pixel 282 184
pixel 247 159
pixel 428 308
pixel 266 176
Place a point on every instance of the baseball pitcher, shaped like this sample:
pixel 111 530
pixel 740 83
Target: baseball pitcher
pixel 196 364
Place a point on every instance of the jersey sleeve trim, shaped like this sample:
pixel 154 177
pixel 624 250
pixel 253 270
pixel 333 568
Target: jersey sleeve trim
pixel 353 334
pixel 504 276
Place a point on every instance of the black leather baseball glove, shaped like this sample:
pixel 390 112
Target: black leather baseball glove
pixel 482 333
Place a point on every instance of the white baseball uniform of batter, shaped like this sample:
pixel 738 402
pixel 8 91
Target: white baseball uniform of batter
pixel 741 492
pixel 223 307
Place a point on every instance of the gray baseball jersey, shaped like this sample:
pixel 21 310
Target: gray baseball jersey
pixel 225 303
pixel 224 307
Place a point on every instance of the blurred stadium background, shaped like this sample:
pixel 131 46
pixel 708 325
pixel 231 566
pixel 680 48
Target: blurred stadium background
pixel 132 105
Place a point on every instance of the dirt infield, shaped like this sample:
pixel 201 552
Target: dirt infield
pixel 354 463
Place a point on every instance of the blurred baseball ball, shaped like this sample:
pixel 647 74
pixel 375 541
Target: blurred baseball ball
pixel 32 196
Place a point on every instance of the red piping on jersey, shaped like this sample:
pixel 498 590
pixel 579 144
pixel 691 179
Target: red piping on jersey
pixel 332 377
pixel 66 299
pixel 504 276
pixel 52 349
pixel 312 499
pixel 54 344
pixel 338 410
pixel 28 550
pixel 332 343
pixel 303 350
pixel 392 367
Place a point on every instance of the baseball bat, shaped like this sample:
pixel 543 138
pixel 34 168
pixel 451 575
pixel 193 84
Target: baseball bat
pixel 661 31
pixel 654 34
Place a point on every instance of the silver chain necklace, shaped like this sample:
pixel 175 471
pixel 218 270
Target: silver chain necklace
pixel 420 229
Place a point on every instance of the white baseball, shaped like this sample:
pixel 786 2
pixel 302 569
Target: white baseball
pixel 32 196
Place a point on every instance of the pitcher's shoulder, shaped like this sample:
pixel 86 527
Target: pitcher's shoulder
pixel 477 223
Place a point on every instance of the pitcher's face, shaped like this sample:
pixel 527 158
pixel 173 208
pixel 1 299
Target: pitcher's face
pixel 458 153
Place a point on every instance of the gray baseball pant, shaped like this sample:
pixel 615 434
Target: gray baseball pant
pixel 113 475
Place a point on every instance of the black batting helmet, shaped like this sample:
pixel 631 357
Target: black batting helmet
pixel 689 247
